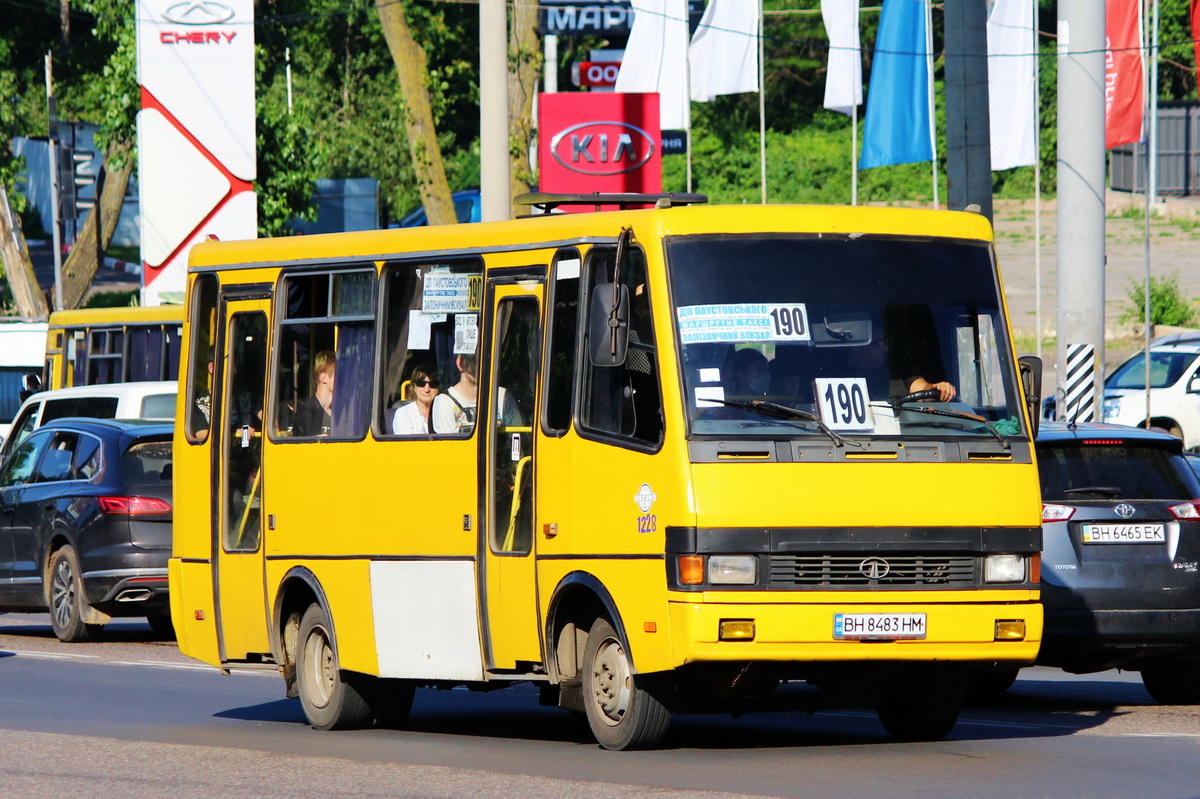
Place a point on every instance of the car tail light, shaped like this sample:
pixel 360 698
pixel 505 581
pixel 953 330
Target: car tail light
pixel 1186 510
pixel 134 506
pixel 1056 513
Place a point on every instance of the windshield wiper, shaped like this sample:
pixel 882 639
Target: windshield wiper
pixel 777 411
pixel 1104 491
pixel 912 406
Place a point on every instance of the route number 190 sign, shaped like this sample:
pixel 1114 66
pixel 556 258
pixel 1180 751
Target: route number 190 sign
pixel 844 403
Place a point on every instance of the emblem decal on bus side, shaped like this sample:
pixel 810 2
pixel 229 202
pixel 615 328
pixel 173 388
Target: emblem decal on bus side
pixel 647 522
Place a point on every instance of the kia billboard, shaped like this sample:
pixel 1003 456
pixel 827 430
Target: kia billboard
pixel 599 142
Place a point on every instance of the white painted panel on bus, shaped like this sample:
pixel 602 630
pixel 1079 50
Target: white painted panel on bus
pixel 197 61
pixel 426 620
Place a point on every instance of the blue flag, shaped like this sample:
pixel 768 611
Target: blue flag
pixel 896 129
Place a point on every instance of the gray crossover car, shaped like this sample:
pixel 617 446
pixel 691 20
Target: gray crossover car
pixel 1121 556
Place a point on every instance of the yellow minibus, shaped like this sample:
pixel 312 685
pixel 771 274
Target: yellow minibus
pixel 675 459
pixel 89 346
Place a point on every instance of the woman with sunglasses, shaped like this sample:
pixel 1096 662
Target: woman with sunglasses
pixel 415 417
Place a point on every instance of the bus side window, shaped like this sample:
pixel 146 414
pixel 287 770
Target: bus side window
pixel 625 400
pixel 198 414
pixel 430 331
pixel 559 388
pixel 326 339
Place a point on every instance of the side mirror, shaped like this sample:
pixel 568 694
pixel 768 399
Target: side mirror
pixel 608 325
pixel 1031 384
pixel 1194 384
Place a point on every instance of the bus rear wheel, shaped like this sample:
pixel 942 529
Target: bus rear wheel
pixel 921 703
pixel 331 699
pixel 621 712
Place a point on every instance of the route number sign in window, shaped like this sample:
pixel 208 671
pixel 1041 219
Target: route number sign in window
pixel 844 403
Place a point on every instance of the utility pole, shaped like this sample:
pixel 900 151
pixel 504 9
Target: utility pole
pixel 56 226
pixel 1080 346
pixel 494 178
pixel 968 133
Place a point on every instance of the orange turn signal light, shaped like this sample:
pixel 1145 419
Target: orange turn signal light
pixel 691 569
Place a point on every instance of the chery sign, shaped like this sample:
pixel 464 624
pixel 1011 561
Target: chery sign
pixel 591 141
pixel 196 148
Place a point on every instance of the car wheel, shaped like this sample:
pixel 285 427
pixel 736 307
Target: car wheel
pixel 64 599
pixel 1174 682
pixel 161 623
pixel 921 703
pixel 330 698
pixel 621 712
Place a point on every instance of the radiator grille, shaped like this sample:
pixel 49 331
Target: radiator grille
pixel 820 571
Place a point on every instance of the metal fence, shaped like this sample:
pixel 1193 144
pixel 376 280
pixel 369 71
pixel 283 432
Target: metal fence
pixel 1178 154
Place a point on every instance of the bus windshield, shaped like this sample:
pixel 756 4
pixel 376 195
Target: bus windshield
pixel 792 335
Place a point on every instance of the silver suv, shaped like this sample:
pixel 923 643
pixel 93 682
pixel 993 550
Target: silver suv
pixel 1121 556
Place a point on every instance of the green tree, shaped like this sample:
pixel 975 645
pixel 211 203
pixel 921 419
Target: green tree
pixel 1168 306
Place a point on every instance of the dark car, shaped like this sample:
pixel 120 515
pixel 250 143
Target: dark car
pixel 85 524
pixel 1121 555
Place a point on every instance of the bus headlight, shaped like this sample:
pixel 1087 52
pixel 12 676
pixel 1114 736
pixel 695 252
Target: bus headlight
pixel 732 569
pixel 1004 569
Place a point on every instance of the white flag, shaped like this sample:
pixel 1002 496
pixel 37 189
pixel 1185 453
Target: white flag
pixel 1010 84
pixel 843 79
pixel 724 51
pixel 655 58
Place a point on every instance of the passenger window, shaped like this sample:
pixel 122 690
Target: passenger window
pixel 430 342
pixel 25 424
pixel 625 400
pixel 564 335
pixel 91 407
pixel 18 469
pixel 87 458
pixel 158 406
pixel 326 339
pixel 198 414
pixel 56 463
pixel 105 356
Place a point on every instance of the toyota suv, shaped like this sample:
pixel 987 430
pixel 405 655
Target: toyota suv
pixel 1121 556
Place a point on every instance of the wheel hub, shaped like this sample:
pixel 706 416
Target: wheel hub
pixel 611 682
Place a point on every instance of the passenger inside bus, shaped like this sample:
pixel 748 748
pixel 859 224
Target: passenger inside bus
pixel 313 416
pixel 415 416
pixel 454 409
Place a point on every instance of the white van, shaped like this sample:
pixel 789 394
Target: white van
pixel 22 355
pixel 144 400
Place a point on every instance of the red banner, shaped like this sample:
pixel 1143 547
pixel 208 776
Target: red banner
pixel 1196 32
pixel 1124 94
pixel 599 141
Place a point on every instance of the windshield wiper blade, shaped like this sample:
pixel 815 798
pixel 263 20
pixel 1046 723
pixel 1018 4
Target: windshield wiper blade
pixel 777 411
pixel 1110 491
pixel 974 417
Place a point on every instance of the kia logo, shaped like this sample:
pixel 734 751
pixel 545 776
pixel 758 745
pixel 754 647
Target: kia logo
pixel 602 148
pixel 201 12
pixel 1124 510
pixel 874 568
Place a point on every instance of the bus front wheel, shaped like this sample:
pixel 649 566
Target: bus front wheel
pixel 331 700
pixel 921 703
pixel 620 711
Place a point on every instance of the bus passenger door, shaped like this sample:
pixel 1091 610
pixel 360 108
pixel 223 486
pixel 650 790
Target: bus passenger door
pixel 510 609
pixel 237 420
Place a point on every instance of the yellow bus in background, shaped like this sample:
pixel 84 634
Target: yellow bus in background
pixel 112 345
pixel 677 459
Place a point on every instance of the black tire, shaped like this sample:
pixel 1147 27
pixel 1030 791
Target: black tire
pixel 621 712
pixel 331 699
pixel 392 702
pixel 162 625
pixel 1175 682
pixel 990 685
pixel 65 600
pixel 921 703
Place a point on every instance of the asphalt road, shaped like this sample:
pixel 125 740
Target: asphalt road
pixel 130 715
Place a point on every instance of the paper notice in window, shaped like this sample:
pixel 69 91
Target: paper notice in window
pixel 419 327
